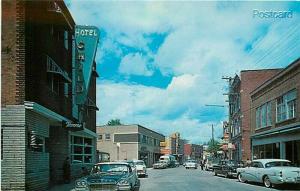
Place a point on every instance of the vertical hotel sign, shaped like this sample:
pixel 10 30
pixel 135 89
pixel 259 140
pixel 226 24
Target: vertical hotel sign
pixel 86 42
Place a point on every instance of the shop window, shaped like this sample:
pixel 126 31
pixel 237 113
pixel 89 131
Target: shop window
pixel 81 149
pixel 286 106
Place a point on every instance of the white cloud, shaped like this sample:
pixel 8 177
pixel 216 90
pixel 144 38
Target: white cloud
pixel 205 41
pixel 135 64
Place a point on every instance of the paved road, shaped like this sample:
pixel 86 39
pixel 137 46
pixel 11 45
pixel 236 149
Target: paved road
pixel 180 179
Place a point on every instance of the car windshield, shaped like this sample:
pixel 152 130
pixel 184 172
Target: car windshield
pixel 191 161
pixel 278 163
pixel 140 163
pixel 231 162
pixel 110 168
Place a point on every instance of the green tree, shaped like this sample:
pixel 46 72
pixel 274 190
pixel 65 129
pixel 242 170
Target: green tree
pixel 213 146
pixel 114 122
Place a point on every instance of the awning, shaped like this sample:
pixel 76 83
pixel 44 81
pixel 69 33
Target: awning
pixel 45 111
pixel 52 67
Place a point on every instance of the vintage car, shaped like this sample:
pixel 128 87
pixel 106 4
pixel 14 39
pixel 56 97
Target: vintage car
pixel 191 164
pixel 160 165
pixel 270 172
pixel 140 167
pixel 210 162
pixel 109 176
pixel 226 168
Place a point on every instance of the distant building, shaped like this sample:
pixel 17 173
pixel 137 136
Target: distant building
pixel 239 110
pixel 275 116
pixel 174 145
pixel 127 142
pixel 193 151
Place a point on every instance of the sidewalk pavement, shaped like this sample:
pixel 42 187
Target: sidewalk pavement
pixel 63 187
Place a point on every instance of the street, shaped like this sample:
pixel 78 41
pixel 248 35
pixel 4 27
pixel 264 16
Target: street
pixel 179 179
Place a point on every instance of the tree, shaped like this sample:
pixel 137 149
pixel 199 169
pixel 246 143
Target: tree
pixel 114 122
pixel 213 146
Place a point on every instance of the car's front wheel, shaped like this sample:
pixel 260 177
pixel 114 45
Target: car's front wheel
pixel 240 178
pixel 267 182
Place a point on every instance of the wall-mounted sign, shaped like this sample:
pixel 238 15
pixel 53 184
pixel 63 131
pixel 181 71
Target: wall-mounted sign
pixel 86 42
pixel 73 126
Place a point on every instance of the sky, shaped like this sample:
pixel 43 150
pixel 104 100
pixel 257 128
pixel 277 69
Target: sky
pixel 161 62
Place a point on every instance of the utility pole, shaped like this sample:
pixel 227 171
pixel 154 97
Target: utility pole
pixel 229 94
pixel 212 134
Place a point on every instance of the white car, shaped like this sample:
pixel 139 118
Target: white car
pixel 270 172
pixel 191 164
pixel 140 168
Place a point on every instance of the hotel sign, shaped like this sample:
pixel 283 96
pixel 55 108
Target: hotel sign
pixel 86 43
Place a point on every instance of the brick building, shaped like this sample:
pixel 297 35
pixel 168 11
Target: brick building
pixel 193 151
pixel 130 142
pixel 275 116
pixel 41 120
pixel 239 109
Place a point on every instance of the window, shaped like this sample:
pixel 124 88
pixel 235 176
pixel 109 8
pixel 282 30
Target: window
pixel 144 139
pixel 66 89
pixel 81 149
pixel 53 82
pixel 100 137
pixel 107 136
pixel 66 40
pixel 263 115
pixel 286 106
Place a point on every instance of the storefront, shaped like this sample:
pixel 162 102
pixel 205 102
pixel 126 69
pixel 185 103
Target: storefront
pixel 281 143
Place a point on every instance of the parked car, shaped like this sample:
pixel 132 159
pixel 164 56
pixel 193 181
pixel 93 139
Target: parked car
pixel 140 167
pixel 226 168
pixel 270 172
pixel 109 176
pixel 210 162
pixel 191 164
pixel 160 165
pixel 177 164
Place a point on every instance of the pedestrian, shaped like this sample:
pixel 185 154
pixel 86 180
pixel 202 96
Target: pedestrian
pixel 248 162
pixel 67 171
pixel 202 164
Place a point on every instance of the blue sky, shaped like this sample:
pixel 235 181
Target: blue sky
pixel 161 62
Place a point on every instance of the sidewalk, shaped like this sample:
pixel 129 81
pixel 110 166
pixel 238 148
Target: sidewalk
pixel 63 187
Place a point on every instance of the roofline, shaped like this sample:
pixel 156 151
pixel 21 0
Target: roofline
pixel 292 65
pixel 137 125
pixel 261 70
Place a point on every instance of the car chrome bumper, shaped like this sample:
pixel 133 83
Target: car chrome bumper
pixel 288 180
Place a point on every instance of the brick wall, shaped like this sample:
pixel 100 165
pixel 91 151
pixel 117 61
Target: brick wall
pixel 289 81
pixel 13 53
pixel 249 81
pixel 14 145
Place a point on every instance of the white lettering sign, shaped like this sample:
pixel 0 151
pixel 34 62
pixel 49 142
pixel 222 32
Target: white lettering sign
pixel 86 32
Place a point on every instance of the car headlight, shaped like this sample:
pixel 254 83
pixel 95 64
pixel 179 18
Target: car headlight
pixel 123 183
pixel 81 183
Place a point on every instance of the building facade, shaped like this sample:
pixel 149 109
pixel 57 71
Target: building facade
pixel 239 110
pixel 41 124
pixel 275 116
pixel 193 151
pixel 174 145
pixel 128 142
